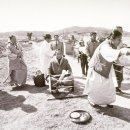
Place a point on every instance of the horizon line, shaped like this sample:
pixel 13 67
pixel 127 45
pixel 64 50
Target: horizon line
pixel 58 29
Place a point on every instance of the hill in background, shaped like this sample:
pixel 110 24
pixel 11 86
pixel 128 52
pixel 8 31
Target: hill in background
pixel 86 30
pixel 75 30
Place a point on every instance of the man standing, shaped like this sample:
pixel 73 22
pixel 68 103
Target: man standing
pixel 57 44
pixel 91 45
pixel 46 54
pixel 119 68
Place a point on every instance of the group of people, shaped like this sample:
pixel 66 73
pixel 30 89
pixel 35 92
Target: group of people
pixel 97 62
pixel 52 60
pixel 86 51
pixel 54 64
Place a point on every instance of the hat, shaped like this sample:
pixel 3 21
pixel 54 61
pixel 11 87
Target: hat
pixel 47 36
pixel 93 33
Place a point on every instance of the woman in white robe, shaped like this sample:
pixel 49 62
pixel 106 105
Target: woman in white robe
pixel 101 90
pixel 46 54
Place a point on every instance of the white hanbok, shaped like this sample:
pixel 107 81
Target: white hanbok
pixel 45 56
pixel 101 90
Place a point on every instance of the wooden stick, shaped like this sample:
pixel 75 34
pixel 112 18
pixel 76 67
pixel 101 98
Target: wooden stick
pixel 62 86
pixel 6 79
pixel 67 97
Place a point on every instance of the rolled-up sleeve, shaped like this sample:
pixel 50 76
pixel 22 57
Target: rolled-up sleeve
pixel 124 60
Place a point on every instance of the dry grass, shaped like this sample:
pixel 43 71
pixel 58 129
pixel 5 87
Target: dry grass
pixel 29 109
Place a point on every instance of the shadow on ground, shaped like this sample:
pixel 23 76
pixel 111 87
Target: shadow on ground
pixel 118 112
pixel 10 102
pixel 125 86
pixel 32 89
pixel 78 86
pixel 124 94
pixel 78 91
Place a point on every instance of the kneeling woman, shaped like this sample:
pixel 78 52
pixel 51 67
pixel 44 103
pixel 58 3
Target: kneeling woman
pixel 101 80
pixel 17 66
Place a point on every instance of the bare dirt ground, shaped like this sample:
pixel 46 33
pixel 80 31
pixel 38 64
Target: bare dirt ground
pixel 29 109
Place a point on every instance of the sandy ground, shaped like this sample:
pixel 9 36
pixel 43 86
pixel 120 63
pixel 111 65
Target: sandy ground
pixel 29 109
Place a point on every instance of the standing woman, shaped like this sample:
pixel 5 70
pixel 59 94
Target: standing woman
pixel 101 80
pixel 17 66
pixel 46 54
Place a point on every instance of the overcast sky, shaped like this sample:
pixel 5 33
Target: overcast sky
pixel 50 15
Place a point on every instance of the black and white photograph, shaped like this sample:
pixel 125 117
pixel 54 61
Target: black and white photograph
pixel 64 65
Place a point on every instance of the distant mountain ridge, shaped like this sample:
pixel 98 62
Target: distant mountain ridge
pixel 85 30
pixel 82 29
pixel 65 31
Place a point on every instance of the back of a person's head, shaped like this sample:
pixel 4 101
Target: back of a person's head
pixel 12 36
pixel 115 33
pixel 119 28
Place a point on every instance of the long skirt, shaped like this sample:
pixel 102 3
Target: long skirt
pixel 100 90
pixel 18 76
pixel 18 71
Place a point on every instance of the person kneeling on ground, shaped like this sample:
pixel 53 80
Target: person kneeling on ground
pixel 60 72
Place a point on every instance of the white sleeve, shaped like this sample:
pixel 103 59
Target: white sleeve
pixel 45 51
pixel 124 60
pixel 109 53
